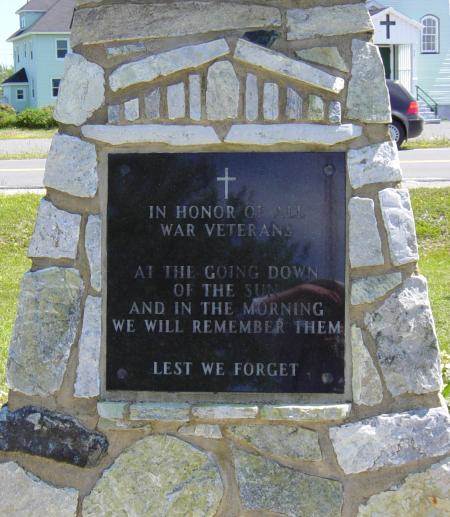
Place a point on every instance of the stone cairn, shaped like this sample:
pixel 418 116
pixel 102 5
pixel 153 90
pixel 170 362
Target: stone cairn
pixel 223 76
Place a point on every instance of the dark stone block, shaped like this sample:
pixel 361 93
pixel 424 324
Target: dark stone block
pixel 263 38
pixel 41 432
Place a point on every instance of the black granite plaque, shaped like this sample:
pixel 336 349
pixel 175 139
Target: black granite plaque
pixel 226 272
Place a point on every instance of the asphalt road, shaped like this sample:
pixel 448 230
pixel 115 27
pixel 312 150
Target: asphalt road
pixel 421 167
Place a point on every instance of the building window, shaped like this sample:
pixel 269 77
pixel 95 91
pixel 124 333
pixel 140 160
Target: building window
pixel 55 87
pixel 31 53
pixel 61 48
pixel 430 34
pixel 20 95
pixel 22 22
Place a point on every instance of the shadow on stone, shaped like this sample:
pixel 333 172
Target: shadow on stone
pixel 263 38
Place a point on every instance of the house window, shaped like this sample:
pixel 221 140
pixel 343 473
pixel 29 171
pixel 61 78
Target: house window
pixel 430 34
pixel 55 87
pixel 61 48
pixel 20 95
pixel 31 53
pixel 22 22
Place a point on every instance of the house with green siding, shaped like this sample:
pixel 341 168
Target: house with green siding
pixel 40 46
pixel 414 41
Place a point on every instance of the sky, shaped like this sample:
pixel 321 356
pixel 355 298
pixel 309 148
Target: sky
pixel 9 23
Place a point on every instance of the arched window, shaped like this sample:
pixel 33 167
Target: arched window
pixel 430 34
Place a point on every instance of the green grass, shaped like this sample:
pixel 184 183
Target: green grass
pixel 430 143
pixel 21 133
pixel 432 213
pixel 17 215
pixel 23 156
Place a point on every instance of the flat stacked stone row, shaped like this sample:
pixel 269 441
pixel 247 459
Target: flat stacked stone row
pixel 140 77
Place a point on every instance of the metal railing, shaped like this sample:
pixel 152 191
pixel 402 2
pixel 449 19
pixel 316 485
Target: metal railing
pixel 422 95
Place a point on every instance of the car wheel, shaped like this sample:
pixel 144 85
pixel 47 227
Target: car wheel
pixel 398 133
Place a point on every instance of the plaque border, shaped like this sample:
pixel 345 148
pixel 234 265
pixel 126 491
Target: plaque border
pixel 216 398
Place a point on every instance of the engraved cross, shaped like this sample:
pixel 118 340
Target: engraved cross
pixel 226 179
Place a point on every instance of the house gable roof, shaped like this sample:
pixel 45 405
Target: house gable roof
pixel 36 6
pixel 19 77
pixel 56 19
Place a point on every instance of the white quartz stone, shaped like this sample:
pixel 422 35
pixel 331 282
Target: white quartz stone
pixel 210 431
pixel 364 238
pixel 224 411
pixel 25 495
pixel 284 66
pixel 71 166
pixel 376 163
pixel 81 91
pixel 328 56
pixel 251 98
pixel 176 101
pixel 195 97
pixel 152 103
pixel 315 108
pixel 405 339
pixel 400 227
pixel 152 133
pixel 335 112
pixel 391 440
pixel 328 21
pixel 222 93
pixel 271 134
pixel 131 110
pixel 159 411
pixel 368 96
pixel 56 233
pixel 132 21
pixel 112 410
pixel 88 372
pixel 114 114
pixel 167 63
pixel 366 383
pixel 93 249
pixel 294 105
pixel 271 100
pixel 368 289
pixel 306 413
pixel 422 494
pixel 125 50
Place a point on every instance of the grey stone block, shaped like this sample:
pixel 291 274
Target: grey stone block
pixel 368 97
pixel 405 337
pixel 364 238
pixel 340 20
pixel 400 227
pixel 391 440
pixel 72 166
pixel 48 315
pixel 56 233
pixel 265 485
pixel 81 92
pixel 26 495
pixel 285 67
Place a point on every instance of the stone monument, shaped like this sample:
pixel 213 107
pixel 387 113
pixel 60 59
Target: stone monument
pixel 224 315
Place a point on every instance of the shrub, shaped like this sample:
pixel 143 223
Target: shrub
pixel 7 115
pixel 36 118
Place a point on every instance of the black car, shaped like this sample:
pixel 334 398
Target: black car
pixel 406 121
